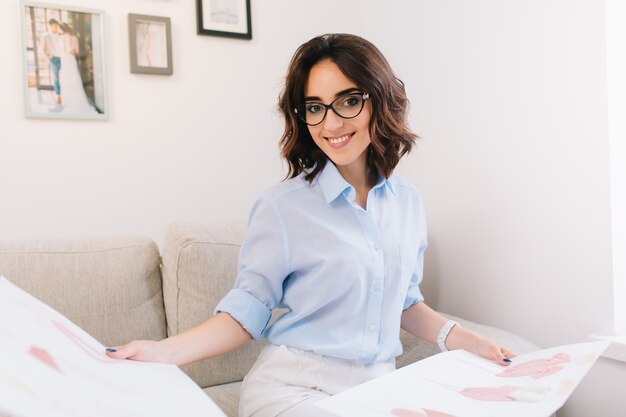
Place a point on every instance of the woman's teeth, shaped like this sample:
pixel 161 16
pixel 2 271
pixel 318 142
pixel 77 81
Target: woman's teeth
pixel 338 140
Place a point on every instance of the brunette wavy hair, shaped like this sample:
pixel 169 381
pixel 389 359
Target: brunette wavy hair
pixel 364 64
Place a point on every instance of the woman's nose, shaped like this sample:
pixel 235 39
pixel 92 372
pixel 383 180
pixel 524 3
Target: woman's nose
pixel 332 121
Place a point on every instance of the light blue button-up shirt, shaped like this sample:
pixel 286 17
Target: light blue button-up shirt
pixel 343 273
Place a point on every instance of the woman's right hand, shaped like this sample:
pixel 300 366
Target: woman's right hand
pixel 140 350
pixel 219 334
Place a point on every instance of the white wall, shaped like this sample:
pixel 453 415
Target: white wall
pixel 616 68
pixel 510 100
pixel 199 145
pixel 509 97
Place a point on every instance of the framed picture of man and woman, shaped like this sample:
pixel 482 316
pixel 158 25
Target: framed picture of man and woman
pixel 63 62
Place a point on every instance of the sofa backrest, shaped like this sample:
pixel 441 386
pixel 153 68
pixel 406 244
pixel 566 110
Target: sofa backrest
pixel 109 286
pixel 114 288
pixel 199 268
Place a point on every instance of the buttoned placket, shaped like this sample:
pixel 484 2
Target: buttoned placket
pixel 369 226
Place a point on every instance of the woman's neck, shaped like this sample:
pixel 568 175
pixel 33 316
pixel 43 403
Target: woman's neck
pixel 361 177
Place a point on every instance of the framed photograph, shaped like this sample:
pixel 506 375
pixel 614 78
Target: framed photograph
pixel 63 61
pixel 150 44
pixel 230 18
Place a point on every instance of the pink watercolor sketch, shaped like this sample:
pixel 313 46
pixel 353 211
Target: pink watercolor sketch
pixel 404 412
pixel 505 393
pixel 537 368
pixel 84 346
pixel 44 357
pixel 459 383
pixel 528 394
pixel 490 393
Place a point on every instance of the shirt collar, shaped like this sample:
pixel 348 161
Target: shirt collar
pixel 333 184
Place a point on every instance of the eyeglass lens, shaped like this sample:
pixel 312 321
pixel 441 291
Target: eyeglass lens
pixel 347 106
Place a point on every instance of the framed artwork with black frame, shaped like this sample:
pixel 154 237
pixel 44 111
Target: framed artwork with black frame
pixel 229 18
pixel 150 44
pixel 63 61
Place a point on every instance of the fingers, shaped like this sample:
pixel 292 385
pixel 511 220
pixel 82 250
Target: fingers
pixel 508 353
pixel 139 350
pixel 504 356
pixel 127 351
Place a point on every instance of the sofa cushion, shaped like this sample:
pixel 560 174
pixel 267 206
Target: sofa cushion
pixel 226 396
pixel 199 268
pixel 109 286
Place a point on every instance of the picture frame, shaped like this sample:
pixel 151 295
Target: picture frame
pixel 150 44
pixel 63 61
pixel 228 18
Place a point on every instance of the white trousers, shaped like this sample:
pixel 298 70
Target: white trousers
pixel 287 382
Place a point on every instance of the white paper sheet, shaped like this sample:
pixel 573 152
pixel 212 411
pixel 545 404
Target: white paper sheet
pixel 461 384
pixel 50 367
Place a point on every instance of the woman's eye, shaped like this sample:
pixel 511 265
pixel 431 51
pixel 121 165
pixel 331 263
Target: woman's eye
pixel 351 101
pixel 313 108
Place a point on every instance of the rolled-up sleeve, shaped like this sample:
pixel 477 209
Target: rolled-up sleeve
pixel 414 295
pixel 263 266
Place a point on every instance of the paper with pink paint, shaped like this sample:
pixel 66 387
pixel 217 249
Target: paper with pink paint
pixel 51 367
pixel 461 384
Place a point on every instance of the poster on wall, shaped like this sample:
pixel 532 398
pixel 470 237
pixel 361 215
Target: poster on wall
pixel 63 62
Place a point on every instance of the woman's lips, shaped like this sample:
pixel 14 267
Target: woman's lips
pixel 339 141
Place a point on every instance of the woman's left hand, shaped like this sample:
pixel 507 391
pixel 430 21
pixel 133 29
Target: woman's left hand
pixel 493 351
pixel 425 323
pixel 462 338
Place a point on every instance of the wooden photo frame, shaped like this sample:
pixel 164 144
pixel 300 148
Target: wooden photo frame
pixel 229 18
pixel 150 44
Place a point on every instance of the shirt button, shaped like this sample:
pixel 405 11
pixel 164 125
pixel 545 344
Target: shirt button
pixel 376 248
pixel 372 327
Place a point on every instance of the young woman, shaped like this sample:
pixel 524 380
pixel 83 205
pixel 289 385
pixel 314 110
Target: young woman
pixel 340 245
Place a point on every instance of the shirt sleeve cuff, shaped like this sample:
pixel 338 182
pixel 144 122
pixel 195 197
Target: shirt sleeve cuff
pixel 248 310
pixel 411 300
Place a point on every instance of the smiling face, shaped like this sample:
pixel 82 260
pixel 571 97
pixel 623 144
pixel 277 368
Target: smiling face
pixel 344 141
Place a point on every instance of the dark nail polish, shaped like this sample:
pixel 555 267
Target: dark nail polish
pixel 507 360
pixel 111 350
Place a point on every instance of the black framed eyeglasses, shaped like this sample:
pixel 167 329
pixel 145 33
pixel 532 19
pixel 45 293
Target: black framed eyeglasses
pixel 346 106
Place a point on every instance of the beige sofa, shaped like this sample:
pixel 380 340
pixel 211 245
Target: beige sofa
pixel 121 288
